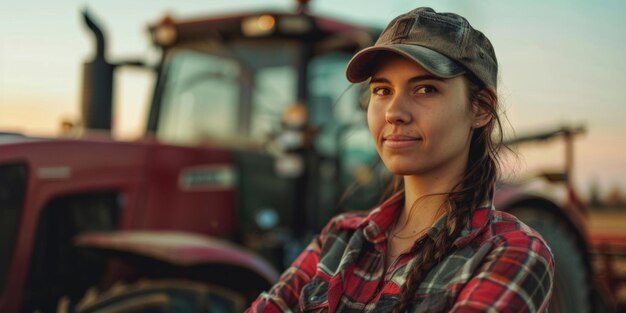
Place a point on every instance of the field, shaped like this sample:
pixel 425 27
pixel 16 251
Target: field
pixel 611 221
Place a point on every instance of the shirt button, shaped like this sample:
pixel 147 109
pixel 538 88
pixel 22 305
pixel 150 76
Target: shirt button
pixel 313 298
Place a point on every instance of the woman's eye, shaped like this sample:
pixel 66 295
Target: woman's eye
pixel 425 90
pixel 381 91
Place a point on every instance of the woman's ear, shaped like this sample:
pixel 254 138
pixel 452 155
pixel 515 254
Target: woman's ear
pixel 482 108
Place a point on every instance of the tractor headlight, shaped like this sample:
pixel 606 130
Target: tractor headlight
pixel 257 26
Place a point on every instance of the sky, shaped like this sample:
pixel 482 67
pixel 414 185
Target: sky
pixel 561 62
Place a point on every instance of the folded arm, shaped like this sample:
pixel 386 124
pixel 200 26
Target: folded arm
pixel 516 276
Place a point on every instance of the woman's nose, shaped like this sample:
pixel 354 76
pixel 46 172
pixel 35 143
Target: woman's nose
pixel 396 112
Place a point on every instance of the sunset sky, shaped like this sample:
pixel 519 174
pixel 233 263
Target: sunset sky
pixel 561 63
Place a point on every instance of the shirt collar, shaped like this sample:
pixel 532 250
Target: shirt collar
pixel 478 222
pixel 376 223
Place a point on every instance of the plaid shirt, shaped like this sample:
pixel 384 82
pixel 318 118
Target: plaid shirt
pixel 498 264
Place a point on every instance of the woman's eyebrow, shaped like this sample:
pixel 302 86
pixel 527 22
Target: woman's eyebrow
pixel 410 80
pixel 424 77
pixel 379 80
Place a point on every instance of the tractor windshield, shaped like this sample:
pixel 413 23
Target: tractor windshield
pixel 215 93
pixel 238 93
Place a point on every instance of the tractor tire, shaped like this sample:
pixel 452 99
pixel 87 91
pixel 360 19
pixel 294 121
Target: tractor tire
pixel 167 295
pixel 571 290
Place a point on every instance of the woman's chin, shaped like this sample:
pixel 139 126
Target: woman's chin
pixel 404 170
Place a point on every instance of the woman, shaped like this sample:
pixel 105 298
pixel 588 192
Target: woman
pixel 437 245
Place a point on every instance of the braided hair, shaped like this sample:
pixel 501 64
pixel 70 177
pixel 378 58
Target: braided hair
pixel 476 186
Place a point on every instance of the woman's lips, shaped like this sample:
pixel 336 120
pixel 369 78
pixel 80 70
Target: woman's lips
pixel 400 141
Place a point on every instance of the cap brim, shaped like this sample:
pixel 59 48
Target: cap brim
pixel 363 63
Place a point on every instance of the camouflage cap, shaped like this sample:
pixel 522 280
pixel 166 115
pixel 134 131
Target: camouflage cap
pixel 445 44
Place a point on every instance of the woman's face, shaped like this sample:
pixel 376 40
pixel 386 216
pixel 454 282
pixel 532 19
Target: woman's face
pixel 421 124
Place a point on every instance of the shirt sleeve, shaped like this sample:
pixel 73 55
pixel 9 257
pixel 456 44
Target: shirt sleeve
pixel 516 276
pixel 283 296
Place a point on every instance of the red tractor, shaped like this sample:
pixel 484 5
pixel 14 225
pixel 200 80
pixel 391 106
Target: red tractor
pixel 254 139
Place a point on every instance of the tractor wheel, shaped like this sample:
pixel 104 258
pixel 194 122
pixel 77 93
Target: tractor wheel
pixel 571 292
pixel 176 296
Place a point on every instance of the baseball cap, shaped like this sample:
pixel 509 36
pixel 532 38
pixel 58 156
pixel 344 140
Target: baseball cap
pixel 445 44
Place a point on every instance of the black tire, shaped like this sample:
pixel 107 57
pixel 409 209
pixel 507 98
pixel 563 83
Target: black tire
pixel 174 295
pixel 572 290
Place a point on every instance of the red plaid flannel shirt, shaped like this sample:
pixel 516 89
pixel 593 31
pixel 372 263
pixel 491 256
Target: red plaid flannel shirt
pixel 498 264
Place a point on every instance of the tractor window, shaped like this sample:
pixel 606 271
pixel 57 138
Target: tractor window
pixel 333 99
pixel 334 107
pixel 227 93
pixel 200 100
pixel 275 91
pixel 272 65
pixel 342 135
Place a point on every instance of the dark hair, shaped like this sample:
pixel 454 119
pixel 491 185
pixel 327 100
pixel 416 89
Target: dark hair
pixel 476 186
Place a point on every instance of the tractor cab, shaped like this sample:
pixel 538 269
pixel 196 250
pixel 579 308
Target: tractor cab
pixel 241 79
